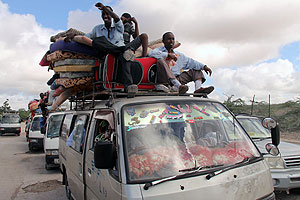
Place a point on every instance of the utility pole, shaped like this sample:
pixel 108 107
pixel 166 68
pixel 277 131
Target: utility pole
pixel 252 102
pixel 269 105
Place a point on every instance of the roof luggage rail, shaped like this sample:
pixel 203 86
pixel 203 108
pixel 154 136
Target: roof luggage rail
pixel 89 98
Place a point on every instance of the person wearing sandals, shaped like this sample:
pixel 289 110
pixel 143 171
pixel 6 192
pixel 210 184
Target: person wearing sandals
pixel 174 68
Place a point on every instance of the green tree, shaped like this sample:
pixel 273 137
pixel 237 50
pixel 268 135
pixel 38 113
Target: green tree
pixel 23 114
pixel 5 107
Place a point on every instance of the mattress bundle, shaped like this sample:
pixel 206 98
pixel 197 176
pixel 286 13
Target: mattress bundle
pixel 73 64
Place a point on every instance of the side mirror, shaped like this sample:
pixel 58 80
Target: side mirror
pixel 272 149
pixel 104 155
pixel 273 126
pixel 275 135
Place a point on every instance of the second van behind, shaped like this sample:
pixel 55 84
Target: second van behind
pixel 51 139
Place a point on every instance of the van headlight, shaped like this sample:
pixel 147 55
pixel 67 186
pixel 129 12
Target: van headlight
pixel 52 152
pixel 275 162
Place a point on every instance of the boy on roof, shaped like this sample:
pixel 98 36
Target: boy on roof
pixel 133 30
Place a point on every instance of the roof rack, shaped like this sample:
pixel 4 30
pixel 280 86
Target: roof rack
pixel 85 98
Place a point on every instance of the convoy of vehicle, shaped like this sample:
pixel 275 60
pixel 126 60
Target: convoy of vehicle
pixel 160 147
pixel 164 147
pixel 285 168
pixel 10 123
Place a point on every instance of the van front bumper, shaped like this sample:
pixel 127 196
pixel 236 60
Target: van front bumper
pixel 285 179
pixel 36 142
pixel 10 130
pixel 52 160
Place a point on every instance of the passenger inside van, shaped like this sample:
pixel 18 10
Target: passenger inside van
pixel 104 131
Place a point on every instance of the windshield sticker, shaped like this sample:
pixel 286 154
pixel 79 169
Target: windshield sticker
pixel 130 111
pixel 144 114
pixel 134 120
pixel 164 112
pixel 154 111
pixel 190 121
pixel 135 127
pixel 174 116
pixel 152 119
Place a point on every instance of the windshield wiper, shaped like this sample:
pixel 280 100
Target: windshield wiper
pixel 260 139
pixel 246 160
pixel 188 170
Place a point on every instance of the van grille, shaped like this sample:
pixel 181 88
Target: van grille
pixel 292 161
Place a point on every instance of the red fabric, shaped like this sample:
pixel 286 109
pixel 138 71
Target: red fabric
pixel 44 61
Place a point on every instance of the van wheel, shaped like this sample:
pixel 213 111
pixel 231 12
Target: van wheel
pixel 30 147
pixel 47 167
pixel 67 188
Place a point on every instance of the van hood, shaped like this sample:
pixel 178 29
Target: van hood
pixel 285 148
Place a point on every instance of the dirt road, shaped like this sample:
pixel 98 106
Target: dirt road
pixel 23 175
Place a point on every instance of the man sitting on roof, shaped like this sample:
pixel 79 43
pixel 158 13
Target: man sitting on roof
pixel 171 66
pixel 108 38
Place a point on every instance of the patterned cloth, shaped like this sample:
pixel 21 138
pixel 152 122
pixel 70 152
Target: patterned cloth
pixel 70 61
pixel 75 74
pixel 61 55
pixel 68 83
pixel 74 68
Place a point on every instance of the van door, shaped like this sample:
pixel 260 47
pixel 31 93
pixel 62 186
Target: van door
pixel 74 153
pixel 64 133
pixel 101 183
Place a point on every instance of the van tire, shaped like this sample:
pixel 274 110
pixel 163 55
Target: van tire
pixel 30 147
pixel 47 167
pixel 67 188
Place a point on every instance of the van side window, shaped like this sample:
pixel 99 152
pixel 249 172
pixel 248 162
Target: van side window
pixel 76 139
pixel 65 129
pixel 102 132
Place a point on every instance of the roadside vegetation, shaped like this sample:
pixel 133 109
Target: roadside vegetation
pixel 286 114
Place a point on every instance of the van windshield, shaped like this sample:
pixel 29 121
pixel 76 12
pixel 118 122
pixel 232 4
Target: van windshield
pixel 54 124
pixel 35 124
pixel 254 127
pixel 10 119
pixel 163 139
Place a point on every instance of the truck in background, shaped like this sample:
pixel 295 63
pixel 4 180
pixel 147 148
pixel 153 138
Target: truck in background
pixel 10 123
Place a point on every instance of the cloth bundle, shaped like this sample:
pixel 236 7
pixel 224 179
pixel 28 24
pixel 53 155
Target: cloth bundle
pixel 72 64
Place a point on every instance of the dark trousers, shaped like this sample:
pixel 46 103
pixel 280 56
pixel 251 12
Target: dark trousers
pixel 104 47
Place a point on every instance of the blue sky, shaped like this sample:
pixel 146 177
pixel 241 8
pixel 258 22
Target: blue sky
pixel 251 50
pixel 49 13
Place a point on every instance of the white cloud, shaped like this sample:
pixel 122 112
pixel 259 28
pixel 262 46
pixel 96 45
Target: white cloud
pixel 23 43
pixel 279 79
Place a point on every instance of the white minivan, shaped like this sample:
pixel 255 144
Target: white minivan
pixel 285 167
pixel 10 123
pixel 160 147
pixel 35 137
pixel 51 139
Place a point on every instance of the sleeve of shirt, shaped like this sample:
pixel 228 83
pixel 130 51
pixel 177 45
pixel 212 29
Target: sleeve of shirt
pixel 190 63
pixel 119 26
pixel 158 54
pixel 91 34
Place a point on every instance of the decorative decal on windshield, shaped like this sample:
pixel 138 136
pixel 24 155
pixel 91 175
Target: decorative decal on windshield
pixel 152 119
pixel 144 114
pixel 130 111
pixel 135 127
